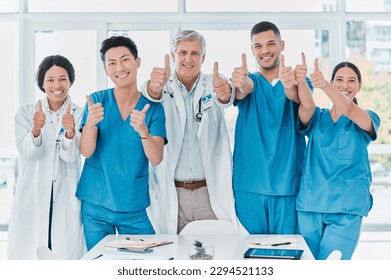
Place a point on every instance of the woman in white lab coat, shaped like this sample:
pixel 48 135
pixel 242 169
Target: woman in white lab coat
pixel 45 211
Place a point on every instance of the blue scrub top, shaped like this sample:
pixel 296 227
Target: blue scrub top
pixel 116 175
pixel 268 149
pixel 336 174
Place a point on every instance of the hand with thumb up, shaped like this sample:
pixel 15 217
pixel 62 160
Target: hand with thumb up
pixel 137 120
pixel 39 120
pixel 68 122
pixel 159 77
pixel 95 112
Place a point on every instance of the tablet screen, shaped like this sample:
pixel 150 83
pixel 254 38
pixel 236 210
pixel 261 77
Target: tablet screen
pixel 273 253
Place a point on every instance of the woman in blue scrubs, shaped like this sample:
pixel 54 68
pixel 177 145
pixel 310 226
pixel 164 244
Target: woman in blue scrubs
pixel 334 191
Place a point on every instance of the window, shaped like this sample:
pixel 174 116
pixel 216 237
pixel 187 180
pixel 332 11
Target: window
pixel 368 6
pixel 9 6
pixel 260 6
pixel 100 6
pixel 369 48
pixel 8 104
pixel 328 29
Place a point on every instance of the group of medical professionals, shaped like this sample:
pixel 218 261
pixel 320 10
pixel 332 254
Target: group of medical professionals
pixel 158 157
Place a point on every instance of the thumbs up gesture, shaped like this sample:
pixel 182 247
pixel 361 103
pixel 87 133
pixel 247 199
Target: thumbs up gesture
pixel 137 120
pixel 220 86
pixel 39 120
pixel 301 70
pixel 159 77
pixel 239 75
pixel 286 74
pixel 68 122
pixel 95 112
pixel 317 78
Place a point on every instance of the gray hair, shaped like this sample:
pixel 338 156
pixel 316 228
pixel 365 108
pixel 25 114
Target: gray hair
pixel 188 35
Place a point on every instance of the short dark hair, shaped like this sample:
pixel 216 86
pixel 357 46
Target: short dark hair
pixel 265 26
pixel 48 63
pixel 351 66
pixel 118 41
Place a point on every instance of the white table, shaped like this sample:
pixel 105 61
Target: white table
pixel 226 247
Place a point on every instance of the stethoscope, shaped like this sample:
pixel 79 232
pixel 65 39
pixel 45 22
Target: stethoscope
pixel 198 116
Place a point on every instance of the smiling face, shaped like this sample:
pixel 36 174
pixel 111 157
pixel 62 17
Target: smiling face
pixel 188 58
pixel 267 47
pixel 121 66
pixel 347 82
pixel 56 85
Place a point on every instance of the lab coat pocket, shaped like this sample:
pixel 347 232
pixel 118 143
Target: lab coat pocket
pixel 73 202
pixel 24 195
pixel 222 171
pixel 237 173
pixel 349 146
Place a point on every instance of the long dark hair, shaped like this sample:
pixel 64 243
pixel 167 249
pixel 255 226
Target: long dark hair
pixel 351 66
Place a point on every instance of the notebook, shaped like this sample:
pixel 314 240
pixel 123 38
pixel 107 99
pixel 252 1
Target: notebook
pixel 136 244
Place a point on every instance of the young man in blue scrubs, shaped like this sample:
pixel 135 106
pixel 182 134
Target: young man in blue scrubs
pixel 121 132
pixel 268 149
pixel 334 191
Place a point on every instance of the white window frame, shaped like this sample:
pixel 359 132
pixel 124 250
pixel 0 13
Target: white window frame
pixel 29 23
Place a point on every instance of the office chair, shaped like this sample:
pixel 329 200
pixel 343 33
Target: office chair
pixel 44 253
pixel 200 227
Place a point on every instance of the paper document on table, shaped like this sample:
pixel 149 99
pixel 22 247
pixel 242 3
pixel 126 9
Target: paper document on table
pixel 272 241
pixel 131 257
pixel 135 244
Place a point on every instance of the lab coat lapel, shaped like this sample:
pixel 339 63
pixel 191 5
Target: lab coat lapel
pixel 180 104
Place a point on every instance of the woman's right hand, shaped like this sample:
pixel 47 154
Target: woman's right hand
pixel 39 120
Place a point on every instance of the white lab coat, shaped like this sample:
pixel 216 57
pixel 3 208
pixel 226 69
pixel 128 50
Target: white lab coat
pixel 38 168
pixel 215 154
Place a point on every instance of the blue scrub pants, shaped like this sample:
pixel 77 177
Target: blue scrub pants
pixel 325 233
pixel 99 222
pixel 266 214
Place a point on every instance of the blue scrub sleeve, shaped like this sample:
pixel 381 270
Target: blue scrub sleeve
pixel 157 127
pixel 307 130
pixel 375 122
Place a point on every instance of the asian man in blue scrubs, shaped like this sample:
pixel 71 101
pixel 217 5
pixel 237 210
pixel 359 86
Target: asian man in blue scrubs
pixel 268 149
pixel 121 132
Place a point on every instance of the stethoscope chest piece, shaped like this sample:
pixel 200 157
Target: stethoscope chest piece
pixel 198 116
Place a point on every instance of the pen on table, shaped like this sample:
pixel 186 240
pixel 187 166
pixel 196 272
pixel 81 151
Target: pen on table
pixel 284 243
pixel 97 257
pixel 134 239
